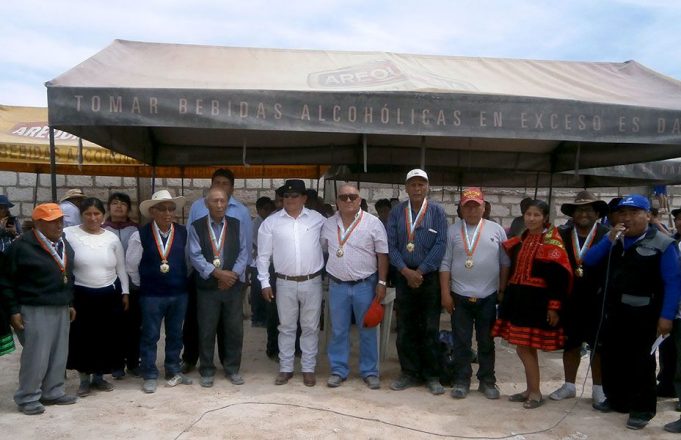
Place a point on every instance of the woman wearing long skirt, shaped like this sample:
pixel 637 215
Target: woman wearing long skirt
pixel 100 297
pixel 529 312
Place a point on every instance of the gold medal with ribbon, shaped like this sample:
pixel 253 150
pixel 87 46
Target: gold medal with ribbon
pixel 580 251
pixel 48 247
pixel 470 244
pixel 412 224
pixel 215 243
pixel 344 234
pixel 163 249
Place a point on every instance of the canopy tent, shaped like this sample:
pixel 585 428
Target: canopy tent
pixel 170 104
pixel 666 172
pixel 25 147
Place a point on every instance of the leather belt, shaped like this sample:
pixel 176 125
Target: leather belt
pixel 299 278
pixel 352 283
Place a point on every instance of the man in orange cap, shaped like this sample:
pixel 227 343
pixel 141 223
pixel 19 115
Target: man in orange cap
pixel 473 272
pixel 37 284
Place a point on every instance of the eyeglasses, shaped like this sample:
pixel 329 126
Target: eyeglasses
pixel 165 208
pixel 346 197
pixel 291 195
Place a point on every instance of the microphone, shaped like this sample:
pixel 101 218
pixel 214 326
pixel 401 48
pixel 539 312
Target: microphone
pixel 618 235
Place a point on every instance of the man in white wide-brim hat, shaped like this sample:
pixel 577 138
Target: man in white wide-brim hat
pixel 156 262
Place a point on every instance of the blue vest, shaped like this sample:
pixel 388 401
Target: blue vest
pixel 152 281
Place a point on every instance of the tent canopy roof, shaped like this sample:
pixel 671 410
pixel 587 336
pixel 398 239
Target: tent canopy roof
pixel 171 104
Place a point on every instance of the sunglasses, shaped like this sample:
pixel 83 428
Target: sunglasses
pixel 346 197
pixel 291 195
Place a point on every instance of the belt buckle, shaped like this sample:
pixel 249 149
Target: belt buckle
pixel 472 299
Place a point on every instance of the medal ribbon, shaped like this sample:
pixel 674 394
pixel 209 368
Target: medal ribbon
pixel 215 243
pixel 49 248
pixel 344 234
pixel 470 244
pixel 163 250
pixel 419 218
pixel 579 252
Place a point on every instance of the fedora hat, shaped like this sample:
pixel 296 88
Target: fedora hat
pixel 585 198
pixel 292 186
pixel 160 197
pixel 73 194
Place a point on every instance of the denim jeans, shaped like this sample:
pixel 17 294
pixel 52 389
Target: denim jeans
pixel 480 314
pixel 154 310
pixel 344 299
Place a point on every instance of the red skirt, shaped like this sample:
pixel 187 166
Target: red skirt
pixel 547 340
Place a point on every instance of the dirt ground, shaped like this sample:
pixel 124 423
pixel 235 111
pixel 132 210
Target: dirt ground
pixel 261 410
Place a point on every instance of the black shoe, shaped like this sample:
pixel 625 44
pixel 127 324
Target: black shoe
pixel 666 391
pixel 603 406
pixel 188 367
pixel 673 426
pixel 636 423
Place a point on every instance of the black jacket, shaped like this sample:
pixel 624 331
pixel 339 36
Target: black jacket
pixel 30 276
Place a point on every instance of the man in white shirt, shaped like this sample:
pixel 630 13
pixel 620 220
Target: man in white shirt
pixel 291 237
pixel 358 271
pixel 472 271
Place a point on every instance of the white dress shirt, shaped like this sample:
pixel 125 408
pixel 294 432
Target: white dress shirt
pixel 292 243
pixel 359 251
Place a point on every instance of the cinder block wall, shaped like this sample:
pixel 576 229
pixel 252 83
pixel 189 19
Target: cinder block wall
pixel 24 189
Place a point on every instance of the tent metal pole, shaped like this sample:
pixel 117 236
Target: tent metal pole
pixel 53 166
pixel 364 150
pixel 35 188
pixel 423 152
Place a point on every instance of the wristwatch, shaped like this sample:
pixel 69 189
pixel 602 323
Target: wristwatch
pixel 382 283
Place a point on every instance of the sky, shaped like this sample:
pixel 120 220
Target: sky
pixel 39 40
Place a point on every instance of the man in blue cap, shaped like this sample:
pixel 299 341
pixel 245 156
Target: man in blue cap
pixel 642 290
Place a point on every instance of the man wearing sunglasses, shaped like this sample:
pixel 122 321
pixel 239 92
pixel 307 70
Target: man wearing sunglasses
pixel 417 238
pixel 291 238
pixel 357 270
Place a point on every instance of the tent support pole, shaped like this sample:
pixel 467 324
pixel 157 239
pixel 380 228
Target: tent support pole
pixel 53 166
pixel 364 150
pixel 35 188
pixel 423 152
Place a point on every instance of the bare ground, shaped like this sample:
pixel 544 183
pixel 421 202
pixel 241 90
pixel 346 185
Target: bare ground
pixel 261 410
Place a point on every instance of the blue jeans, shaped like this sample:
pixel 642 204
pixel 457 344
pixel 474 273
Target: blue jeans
pixel 480 314
pixel 344 299
pixel 154 309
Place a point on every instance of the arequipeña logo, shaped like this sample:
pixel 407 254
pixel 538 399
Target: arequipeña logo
pixel 375 73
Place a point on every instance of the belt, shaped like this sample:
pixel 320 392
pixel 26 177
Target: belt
pixel 352 283
pixel 470 299
pixel 299 278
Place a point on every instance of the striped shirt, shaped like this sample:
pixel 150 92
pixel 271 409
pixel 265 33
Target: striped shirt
pixel 430 238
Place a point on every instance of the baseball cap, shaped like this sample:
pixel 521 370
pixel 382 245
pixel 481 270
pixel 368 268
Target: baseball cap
pixel 47 211
pixel 634 201
pixel 472 194
pixel 374 315
pixel 416 172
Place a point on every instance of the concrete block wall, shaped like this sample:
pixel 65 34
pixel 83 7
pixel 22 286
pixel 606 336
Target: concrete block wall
pixel 24 189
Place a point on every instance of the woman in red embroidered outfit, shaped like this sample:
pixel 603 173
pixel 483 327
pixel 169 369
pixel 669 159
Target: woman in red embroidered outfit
pixel 540 278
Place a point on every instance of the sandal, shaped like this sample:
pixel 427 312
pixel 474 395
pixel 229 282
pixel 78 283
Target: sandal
pixel 520 397
pixel 533 403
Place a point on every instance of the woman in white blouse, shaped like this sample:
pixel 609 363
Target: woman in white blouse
pixel 100 297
